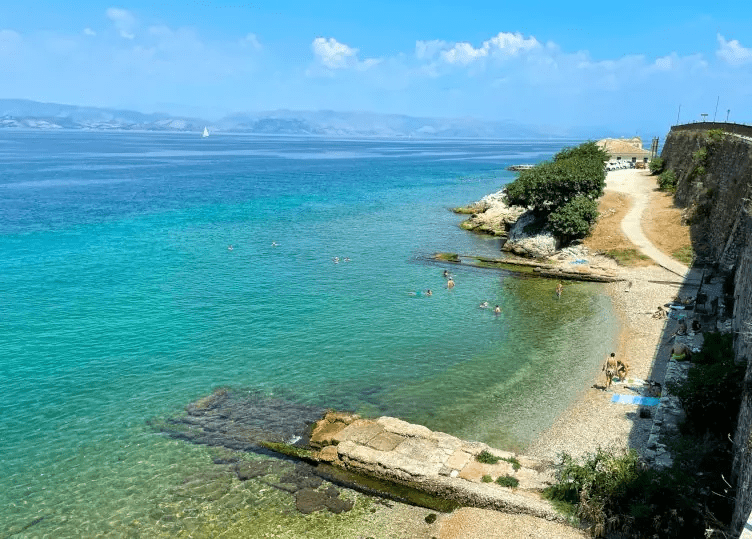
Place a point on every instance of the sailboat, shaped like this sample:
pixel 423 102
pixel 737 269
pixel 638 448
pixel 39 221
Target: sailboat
pixel 206 132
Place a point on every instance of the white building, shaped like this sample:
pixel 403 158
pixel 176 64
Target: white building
pixel 629 149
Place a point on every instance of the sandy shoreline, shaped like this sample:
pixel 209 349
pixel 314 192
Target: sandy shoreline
pixel 594 421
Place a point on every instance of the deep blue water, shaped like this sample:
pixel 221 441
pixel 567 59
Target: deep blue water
pixel 120 300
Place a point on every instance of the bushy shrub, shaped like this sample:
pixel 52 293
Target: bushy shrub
pixel 667 181
pixel 574 219
pixel 508 481
pixel 615 492
pixel 711 394
pixel 715 136
pixel 700 157
pixel 656 165
pixel 485 457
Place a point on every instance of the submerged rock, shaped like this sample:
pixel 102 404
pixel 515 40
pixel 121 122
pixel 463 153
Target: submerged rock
pixel 249 470
pixel 309 501
pixel 240 420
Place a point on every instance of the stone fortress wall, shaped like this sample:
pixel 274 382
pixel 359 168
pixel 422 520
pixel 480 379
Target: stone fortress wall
pixel 716 190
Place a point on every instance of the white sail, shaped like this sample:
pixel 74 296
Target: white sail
pixel 206 132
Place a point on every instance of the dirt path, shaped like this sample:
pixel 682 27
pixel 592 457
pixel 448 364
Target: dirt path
pixel 638 185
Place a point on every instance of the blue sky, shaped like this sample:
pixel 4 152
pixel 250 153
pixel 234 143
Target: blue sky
pixel 624 65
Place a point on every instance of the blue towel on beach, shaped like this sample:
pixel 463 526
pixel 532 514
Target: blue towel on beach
pixel 632 399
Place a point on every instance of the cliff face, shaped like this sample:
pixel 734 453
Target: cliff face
pixel 714 173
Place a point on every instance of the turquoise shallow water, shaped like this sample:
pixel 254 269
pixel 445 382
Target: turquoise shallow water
pixel 121 301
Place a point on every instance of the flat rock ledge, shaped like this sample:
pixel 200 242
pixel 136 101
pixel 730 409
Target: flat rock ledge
pixel 550 269
pixel 433 462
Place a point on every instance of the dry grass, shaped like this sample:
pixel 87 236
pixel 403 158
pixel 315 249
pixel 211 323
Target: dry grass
pixel 607 237
pixel 662 226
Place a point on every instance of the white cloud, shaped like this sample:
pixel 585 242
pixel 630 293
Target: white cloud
pixel 678 64
pixel 333 54
pixel 664 63
pixel 251 40
pixel 89 32
pixel 124 21
pixel 463 53
pixel 732 52
pixel 511 44
pixel 502 45
pixel 426 50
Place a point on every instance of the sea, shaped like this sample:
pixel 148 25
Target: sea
pixel 140 271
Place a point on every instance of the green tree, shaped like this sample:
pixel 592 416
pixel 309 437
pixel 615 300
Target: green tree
pixel 586 150
pixel 549 185
pixel 563 192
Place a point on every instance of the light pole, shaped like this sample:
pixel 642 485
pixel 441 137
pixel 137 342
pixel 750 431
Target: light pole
pixel 727 113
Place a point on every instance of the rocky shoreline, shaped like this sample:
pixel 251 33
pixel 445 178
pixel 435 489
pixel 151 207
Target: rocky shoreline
pixel 515 225
pixel 528 247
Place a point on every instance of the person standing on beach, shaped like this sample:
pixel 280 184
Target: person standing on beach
pixel 610 367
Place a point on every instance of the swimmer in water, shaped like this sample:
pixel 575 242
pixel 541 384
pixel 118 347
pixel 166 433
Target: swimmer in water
pixel 335 260
pixel 274 244
pixel 559 290
pixel 429 293
pixel 497 310
pixel 229 247
pixel 483 305
pixel 446 274
pixel 450 283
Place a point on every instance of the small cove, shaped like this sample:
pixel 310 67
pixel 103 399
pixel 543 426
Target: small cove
pixel 128 304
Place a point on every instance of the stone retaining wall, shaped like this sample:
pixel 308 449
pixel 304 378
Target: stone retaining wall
pixel 718 201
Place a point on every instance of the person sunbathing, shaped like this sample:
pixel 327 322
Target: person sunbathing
pixel 681 352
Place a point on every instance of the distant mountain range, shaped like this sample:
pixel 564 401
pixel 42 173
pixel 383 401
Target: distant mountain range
pixel 25 114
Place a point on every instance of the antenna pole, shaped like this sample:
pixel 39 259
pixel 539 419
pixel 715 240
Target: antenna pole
pixel 716 108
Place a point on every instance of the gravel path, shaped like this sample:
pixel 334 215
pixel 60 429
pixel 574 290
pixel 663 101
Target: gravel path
pixel 638 185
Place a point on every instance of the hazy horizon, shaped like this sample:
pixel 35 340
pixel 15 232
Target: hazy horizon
pixel 541 64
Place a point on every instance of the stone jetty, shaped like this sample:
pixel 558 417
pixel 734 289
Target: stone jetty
pixel 441 465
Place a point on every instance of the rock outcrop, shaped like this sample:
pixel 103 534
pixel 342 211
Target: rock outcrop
pixel 436 463
pixel 491 215
pixel 516 224
pixel 539 244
